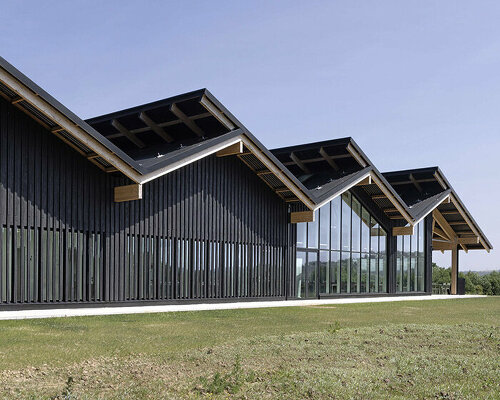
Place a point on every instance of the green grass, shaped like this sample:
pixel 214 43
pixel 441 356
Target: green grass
pixel 447 349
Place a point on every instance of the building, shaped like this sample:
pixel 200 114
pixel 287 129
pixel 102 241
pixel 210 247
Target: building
pixel 177 201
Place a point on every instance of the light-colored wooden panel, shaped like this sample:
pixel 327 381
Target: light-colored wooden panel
pixel 402 230
pixel 232 150
pixel 301 216
pixel 128 193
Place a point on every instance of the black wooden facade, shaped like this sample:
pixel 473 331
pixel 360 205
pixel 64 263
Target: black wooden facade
pixel 209 230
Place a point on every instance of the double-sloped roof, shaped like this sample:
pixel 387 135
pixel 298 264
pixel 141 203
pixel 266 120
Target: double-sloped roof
pixel 148 141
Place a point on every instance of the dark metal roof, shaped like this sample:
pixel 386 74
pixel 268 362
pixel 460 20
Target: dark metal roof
pixel 426 190
pixel 154 136
pixel 328 167
pixel 27 107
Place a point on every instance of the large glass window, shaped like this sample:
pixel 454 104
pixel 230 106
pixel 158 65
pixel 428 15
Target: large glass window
pixel 410 261
pixel 344 249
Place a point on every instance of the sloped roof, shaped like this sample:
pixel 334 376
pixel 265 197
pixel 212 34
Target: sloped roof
pixel 426 190
pixel 153 139
pixel 331 167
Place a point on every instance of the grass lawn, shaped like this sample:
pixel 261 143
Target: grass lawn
pixel 448 349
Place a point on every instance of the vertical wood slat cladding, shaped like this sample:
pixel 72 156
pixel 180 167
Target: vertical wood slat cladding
pixel 209 230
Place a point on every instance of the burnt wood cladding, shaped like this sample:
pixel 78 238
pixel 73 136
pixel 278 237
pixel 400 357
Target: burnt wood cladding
pixel 211 229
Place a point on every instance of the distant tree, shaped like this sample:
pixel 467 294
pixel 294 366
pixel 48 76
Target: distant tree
pixel 440 275
pixel 488 284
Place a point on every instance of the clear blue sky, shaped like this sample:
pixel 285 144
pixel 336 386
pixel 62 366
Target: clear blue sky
pixel 415 83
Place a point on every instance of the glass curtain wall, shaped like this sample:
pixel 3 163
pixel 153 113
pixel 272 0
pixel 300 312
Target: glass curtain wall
pixel 342 251
pixel 410 262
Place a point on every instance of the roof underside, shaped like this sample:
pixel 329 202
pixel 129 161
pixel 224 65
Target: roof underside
pixel 426 190
pixel 331 167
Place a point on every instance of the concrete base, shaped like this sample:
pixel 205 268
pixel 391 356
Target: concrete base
pixel 79 312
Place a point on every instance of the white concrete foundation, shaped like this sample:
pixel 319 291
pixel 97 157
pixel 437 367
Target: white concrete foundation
pixel 79 312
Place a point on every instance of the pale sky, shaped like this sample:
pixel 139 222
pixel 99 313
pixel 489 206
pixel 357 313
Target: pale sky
pixel 415 83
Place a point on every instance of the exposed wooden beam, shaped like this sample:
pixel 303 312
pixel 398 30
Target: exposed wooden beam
pixel 408 182
pixel 187 121
pixel 328 159
pixel 16 100
pixel 128 193
pixel 450 212
pixel 379 196
pixel 111 169
pixel 219 115
pixel 366 181
pixel 442 246
pixel 130 136
pixel 299 162
pixel 318 159
pixel 452 223
pixel 391 210
pixel 61 120
pixel 415 182
pixel 232 150
pixel 440 181
pixel 469 222
pixel 441 233
pixel 468 240
pixel 301 216
pixel 155 128
pixel 402 230
pixel 264 172
pixel 354 153
pixel 91 156
pixel 391 197
pixel 445 226
pixel 282 190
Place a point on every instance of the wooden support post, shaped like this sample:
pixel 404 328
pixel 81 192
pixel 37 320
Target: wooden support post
pixel 301 216
pixel 128 192
pixel 454 268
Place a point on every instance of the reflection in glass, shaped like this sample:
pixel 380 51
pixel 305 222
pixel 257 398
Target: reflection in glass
pixel 364 272
pixel 335 223
pixel 373 273
pixel 312 232
pixel 365 231
pixel 334 272
pixel 299 277
pixel 346 221
pixel 344 272
pixel 324 272
pixel 355 272
pixel 324 226
pixel 301 235
pixel 311 273
pixel 356 225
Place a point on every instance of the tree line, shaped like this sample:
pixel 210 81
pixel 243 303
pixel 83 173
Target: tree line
pixel 475 283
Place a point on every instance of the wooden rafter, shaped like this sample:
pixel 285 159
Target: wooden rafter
pixel 415 182
pixel 318 159
pixel 355 154
pixel 219 115
pixel 129 135
pixel 187 121
pixel 155 128
pixel 328 159
pixel 299 162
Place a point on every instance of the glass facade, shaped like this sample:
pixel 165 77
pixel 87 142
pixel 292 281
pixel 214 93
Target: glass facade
pixel 342 251
pixel 410 261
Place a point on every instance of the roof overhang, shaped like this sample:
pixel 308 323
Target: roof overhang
pixel 429 193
